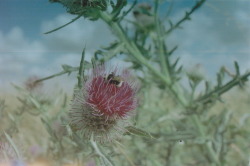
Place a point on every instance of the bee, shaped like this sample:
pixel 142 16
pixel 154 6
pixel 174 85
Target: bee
pixel 113 79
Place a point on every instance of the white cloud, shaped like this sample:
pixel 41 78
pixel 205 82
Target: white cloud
pixel 69 59
pixel 217 35
pixel 75 36
pixel 18 56
pixel 20 49
pixel 22 57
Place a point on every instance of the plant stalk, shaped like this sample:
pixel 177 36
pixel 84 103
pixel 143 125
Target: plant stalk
pixel 136 53
pixel 209 148
pixel 100 154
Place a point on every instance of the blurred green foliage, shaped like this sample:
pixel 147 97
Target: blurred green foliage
pixel 174 125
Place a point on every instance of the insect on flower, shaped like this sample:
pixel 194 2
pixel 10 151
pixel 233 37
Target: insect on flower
pixel 104 104
pixel 112 79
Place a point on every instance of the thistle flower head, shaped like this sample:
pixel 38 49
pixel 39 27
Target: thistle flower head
pixel 31 84
pixel 87 8
pixel 101 108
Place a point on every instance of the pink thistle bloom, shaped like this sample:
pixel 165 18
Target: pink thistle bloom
pixel 31 85
pixel 101 108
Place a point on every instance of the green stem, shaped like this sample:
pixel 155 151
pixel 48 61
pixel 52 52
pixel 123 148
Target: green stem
pixel 136 53
pixel 222 89
pixel 100 153
pixel 210 150
pixel 81 70
pixel 160 42
pixel 73 20
pixel 187 16
pixel 176 89
pixel 58 74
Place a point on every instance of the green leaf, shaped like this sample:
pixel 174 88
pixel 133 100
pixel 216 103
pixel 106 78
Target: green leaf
pixel 118 7
pixel 139 132
pixel 49 130
pixel 69 130
pixel 170 23
pixel 219 80
pixel 35 102
pixel 237 68
pixel 66 67
pixel 11 117
pixel 179 135
pixel 112 50
pixel 225 117
pixel 73 20
pixel 128 11
pixel 17 87
pixel 81 70
pixel 112 4
pixel 13 145
pixel 207 87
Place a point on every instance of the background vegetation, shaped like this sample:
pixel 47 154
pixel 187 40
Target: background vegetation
pixel 178 123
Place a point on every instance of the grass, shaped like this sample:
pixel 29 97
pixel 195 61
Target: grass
pixel 160 115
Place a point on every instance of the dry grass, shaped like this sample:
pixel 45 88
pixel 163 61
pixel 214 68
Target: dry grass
pixel 33 139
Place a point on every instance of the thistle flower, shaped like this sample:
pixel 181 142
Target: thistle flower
pixel 31 84
pixel 87 8
pixel 104 104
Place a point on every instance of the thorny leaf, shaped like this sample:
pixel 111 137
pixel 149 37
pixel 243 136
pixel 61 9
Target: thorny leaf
pixel 13 145
pixel 138 132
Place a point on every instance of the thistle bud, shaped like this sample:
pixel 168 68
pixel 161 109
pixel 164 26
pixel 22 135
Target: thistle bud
pixel 196 74
pixel 31 84
pixel 87 8
pixel 143 15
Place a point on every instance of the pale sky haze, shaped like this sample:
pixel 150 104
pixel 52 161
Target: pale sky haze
pixel 218 34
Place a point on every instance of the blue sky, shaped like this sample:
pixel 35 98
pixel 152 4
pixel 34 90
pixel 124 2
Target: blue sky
pixel 27 14
pixel 218 34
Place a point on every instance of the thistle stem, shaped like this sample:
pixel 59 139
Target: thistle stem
pixel 58 74
pixel 163 60
pixel 136 53
pixel 100 153
pixel 175 88
pixel 209 148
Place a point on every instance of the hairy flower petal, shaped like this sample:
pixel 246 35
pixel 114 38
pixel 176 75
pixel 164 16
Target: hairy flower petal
pixel 105 102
